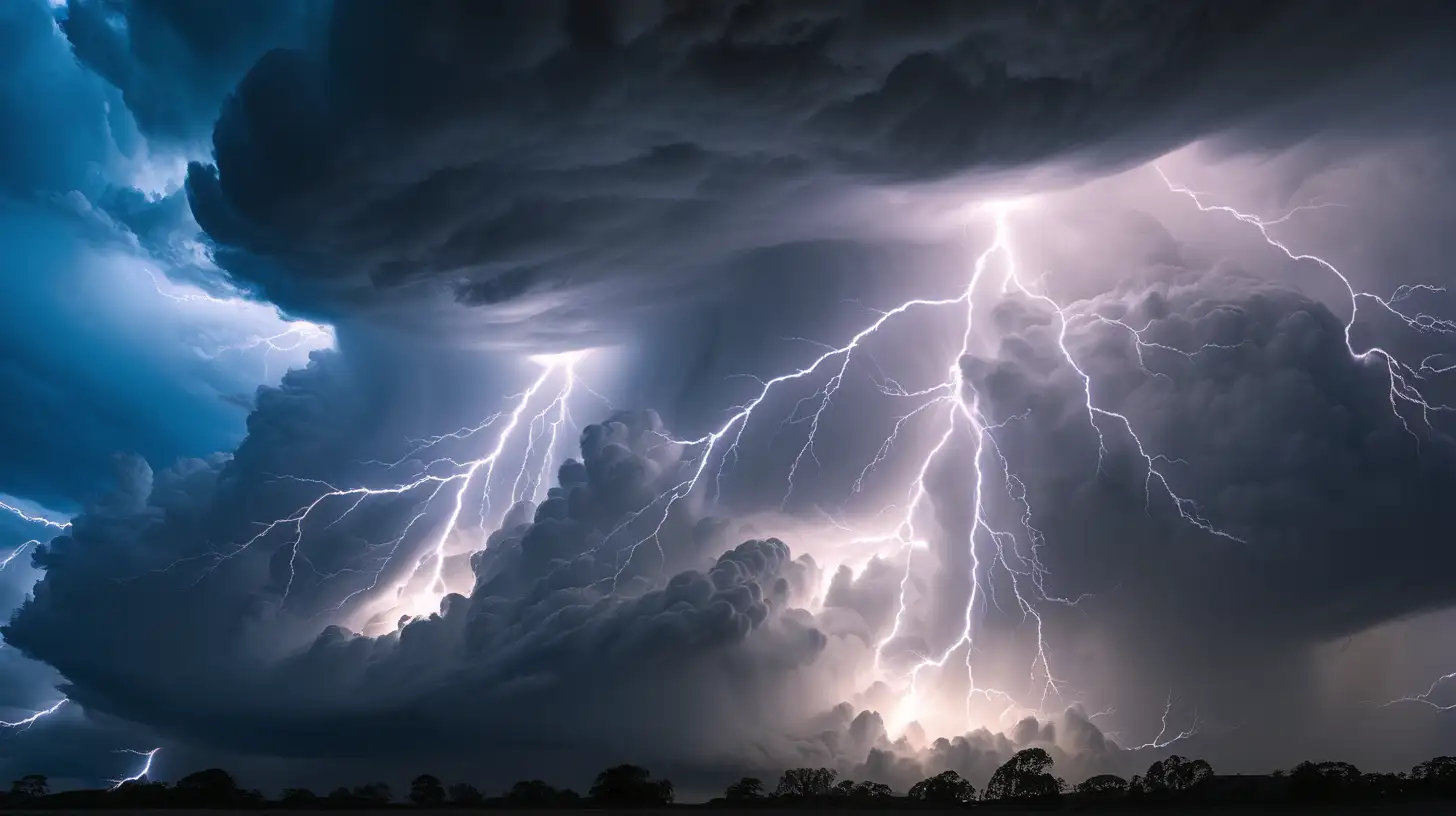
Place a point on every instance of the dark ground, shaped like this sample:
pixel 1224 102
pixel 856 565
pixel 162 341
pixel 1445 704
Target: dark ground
pixel 1393 809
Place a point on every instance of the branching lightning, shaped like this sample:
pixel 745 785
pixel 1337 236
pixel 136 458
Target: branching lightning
pixel 25 723
pixel 294 335
pixel 1163 739
pixel 17 552
pixel 1404 378
pixel 539 434
pixel 988 546
pixel 139 775
pixel 1424 698
pixel 531 425
pixel 34 519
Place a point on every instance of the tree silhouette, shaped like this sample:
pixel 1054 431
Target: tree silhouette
pixel 867 791
pixel 374 793
pixel 746 788
pixel 141 793
pixel 531 793
pixel 427 791
pixel 30 786
pixel 1435 776
pixel 1103 788
pixel 1175 775
pixel 1385 785
pixel 806 782
pixel 946 787
pixel 466 795
pixel 212 787
pixel 630 785
pixel 299 796
pixel 1325 781
pixel 1024 776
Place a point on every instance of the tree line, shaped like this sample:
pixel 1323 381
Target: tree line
pixel 1025 779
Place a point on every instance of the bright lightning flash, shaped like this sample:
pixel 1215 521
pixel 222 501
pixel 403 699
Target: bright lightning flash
pixel 1424 698
pixel 963 419
pixel 540 432
pixel 1404 379
pixel 294 335
pixel 139 775
pixel 25 723
pixel 30 518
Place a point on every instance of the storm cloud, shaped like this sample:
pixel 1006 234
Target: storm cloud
pixel 555 172
pixel 698 655
pixel 706 654
pixel 454 183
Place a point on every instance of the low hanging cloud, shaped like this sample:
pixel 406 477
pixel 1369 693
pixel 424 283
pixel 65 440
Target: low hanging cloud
pixel 554 172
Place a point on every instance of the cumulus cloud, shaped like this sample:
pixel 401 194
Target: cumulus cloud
pixel 555 172
pixel 174 64
pixel 700 656
pixel 709 655
pixel 537 172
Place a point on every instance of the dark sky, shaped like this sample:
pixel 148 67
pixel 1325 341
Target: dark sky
pixel 1160 410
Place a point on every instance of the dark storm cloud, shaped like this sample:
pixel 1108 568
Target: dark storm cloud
pixel 174 63
pixel 1289 442
pixel 577 162
pixel 1278 436
pixel 568 166
pixel 91 360
pixel 699 662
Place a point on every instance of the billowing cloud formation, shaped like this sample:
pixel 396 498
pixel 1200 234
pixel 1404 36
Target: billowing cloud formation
pixel 704 658
pixel 562 166
pixel 557 170
pixel 102 353
pixel 175 63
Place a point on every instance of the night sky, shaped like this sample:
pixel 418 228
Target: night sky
pixel 511 389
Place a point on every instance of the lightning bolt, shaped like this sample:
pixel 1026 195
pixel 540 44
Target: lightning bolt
pixel 295 334
pixel 34 519
pixel 1424 698
pixel 25 723
pixel 1163 740
pixel 988 547
pixel 28 518
pixel 140 775
pixel 1403 377
pixel 541 429
pixel 17 552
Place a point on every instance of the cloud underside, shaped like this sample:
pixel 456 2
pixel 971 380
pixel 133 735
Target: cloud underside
pixel 554 172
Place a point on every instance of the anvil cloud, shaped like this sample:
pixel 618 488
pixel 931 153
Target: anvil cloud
pixel 454 183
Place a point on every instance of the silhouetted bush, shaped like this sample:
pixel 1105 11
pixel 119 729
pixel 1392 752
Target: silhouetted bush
pixel 806 783
pixel 945 788
pixel 744 789
pixel 463 795
pixel 427 791
pixel 630 786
